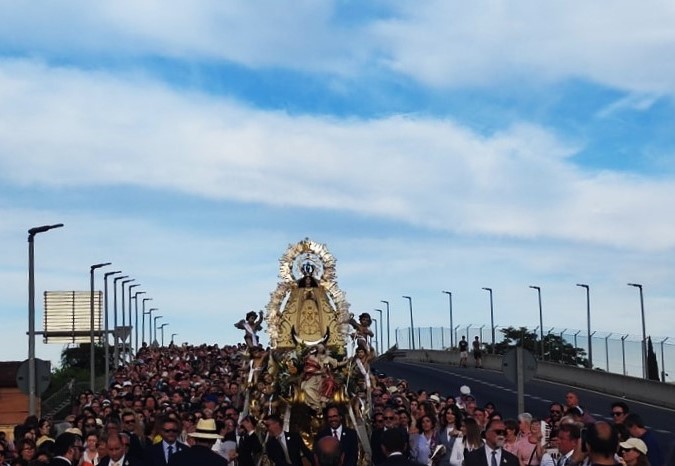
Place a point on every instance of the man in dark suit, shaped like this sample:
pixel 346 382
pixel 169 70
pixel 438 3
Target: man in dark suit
pixel 201 452
pixel 117 455
pixel 129 426
pixel 284 448
pixel 349 442
pixel 390 423
pixel 248 443
pixel 160 453
pixel 492 453
pixel 67 450
pixel 393 446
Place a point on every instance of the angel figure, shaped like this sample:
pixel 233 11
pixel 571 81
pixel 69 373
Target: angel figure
pixel 251 326
pixel 362 332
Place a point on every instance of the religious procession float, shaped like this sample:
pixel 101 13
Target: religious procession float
pixel 319 353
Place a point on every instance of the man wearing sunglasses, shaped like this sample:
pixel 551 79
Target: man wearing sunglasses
pixel 492 453
pixel 68 450
pixel 160 453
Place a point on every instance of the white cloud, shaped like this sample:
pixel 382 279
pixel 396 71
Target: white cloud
pixel 468 44
pixel 70 128
pixel 439 43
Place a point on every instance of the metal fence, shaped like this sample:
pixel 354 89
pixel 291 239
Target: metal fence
pixel 612 352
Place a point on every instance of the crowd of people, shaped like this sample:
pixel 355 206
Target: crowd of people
pixel 185 405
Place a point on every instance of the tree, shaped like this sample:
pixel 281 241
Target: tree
pixel 556 349
pixel 652 363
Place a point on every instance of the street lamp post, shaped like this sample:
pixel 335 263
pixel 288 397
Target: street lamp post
pixel 116 352
pixel 129 348
pixel 412 326
pixel 107 330
pixel 588 320
pixel 136 318
pixel 161 328
pixel 645 373
pixel 143 319
pixel 452 340
pixel 388 341
pixel 173 335
pixel 32 383
pixel 377 334
pixel 492 318
pixel 150 311
pixel 124 318
pixel 92 366
pixel 155 327
pixel 454 331
pixel 541 320
pixel 575 339
pixel 381 334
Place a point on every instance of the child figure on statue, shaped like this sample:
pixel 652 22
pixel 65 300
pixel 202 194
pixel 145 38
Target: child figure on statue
pixel 363 332
pixel 251 326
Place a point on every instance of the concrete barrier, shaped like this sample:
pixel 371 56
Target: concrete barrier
pixel 632 388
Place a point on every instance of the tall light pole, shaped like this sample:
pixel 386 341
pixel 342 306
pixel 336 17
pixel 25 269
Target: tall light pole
pixel 92 366
pixel 173 335
pixel 412 325
pixel 161 328
pixel 492 318
pixel 143 319
pixel 388 341
pixel 155 327
pixel 452 339
pixel 150 311
pixel 541 320
pixel 116 351
pixel 377 334
pixel 136 317
pixel 124 317
pixel 129 349
pixel 106 349
pixel 588 320
pixel 645 372
pixel 380 335
pixel 32 385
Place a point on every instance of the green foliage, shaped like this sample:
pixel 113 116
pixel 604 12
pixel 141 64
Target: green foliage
pixel 556 349
pixel 75 364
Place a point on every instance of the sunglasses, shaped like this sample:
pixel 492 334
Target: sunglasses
pixel 171 431
pixel 617 413
pixel 555 411
pixel 499 431
pixel 624 450
pixel 389 418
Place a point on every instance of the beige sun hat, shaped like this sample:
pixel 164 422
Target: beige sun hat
pixel 206 428
pixel 634 443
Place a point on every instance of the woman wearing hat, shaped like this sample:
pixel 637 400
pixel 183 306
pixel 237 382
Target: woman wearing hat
pixel 633 452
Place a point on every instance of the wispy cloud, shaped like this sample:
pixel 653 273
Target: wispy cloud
pixel 68 128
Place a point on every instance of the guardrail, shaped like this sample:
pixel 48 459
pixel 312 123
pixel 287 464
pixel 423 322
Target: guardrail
pixel 632 388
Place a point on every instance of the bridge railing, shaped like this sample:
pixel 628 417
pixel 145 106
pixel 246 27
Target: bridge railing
pixel 612 352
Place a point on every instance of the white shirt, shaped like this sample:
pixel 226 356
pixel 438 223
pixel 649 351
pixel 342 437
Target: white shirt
pixel 337 431
pixel 488 454
pixel 165 447
pixel 117 463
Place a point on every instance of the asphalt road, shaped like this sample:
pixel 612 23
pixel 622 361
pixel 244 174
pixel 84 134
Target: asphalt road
pixel 492 386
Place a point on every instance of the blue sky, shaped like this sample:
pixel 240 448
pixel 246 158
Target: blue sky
pixel 441 146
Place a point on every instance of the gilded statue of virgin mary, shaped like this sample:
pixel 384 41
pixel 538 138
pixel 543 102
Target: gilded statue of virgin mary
pixel 307 308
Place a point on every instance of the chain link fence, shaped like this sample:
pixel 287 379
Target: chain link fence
pixel 611 352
